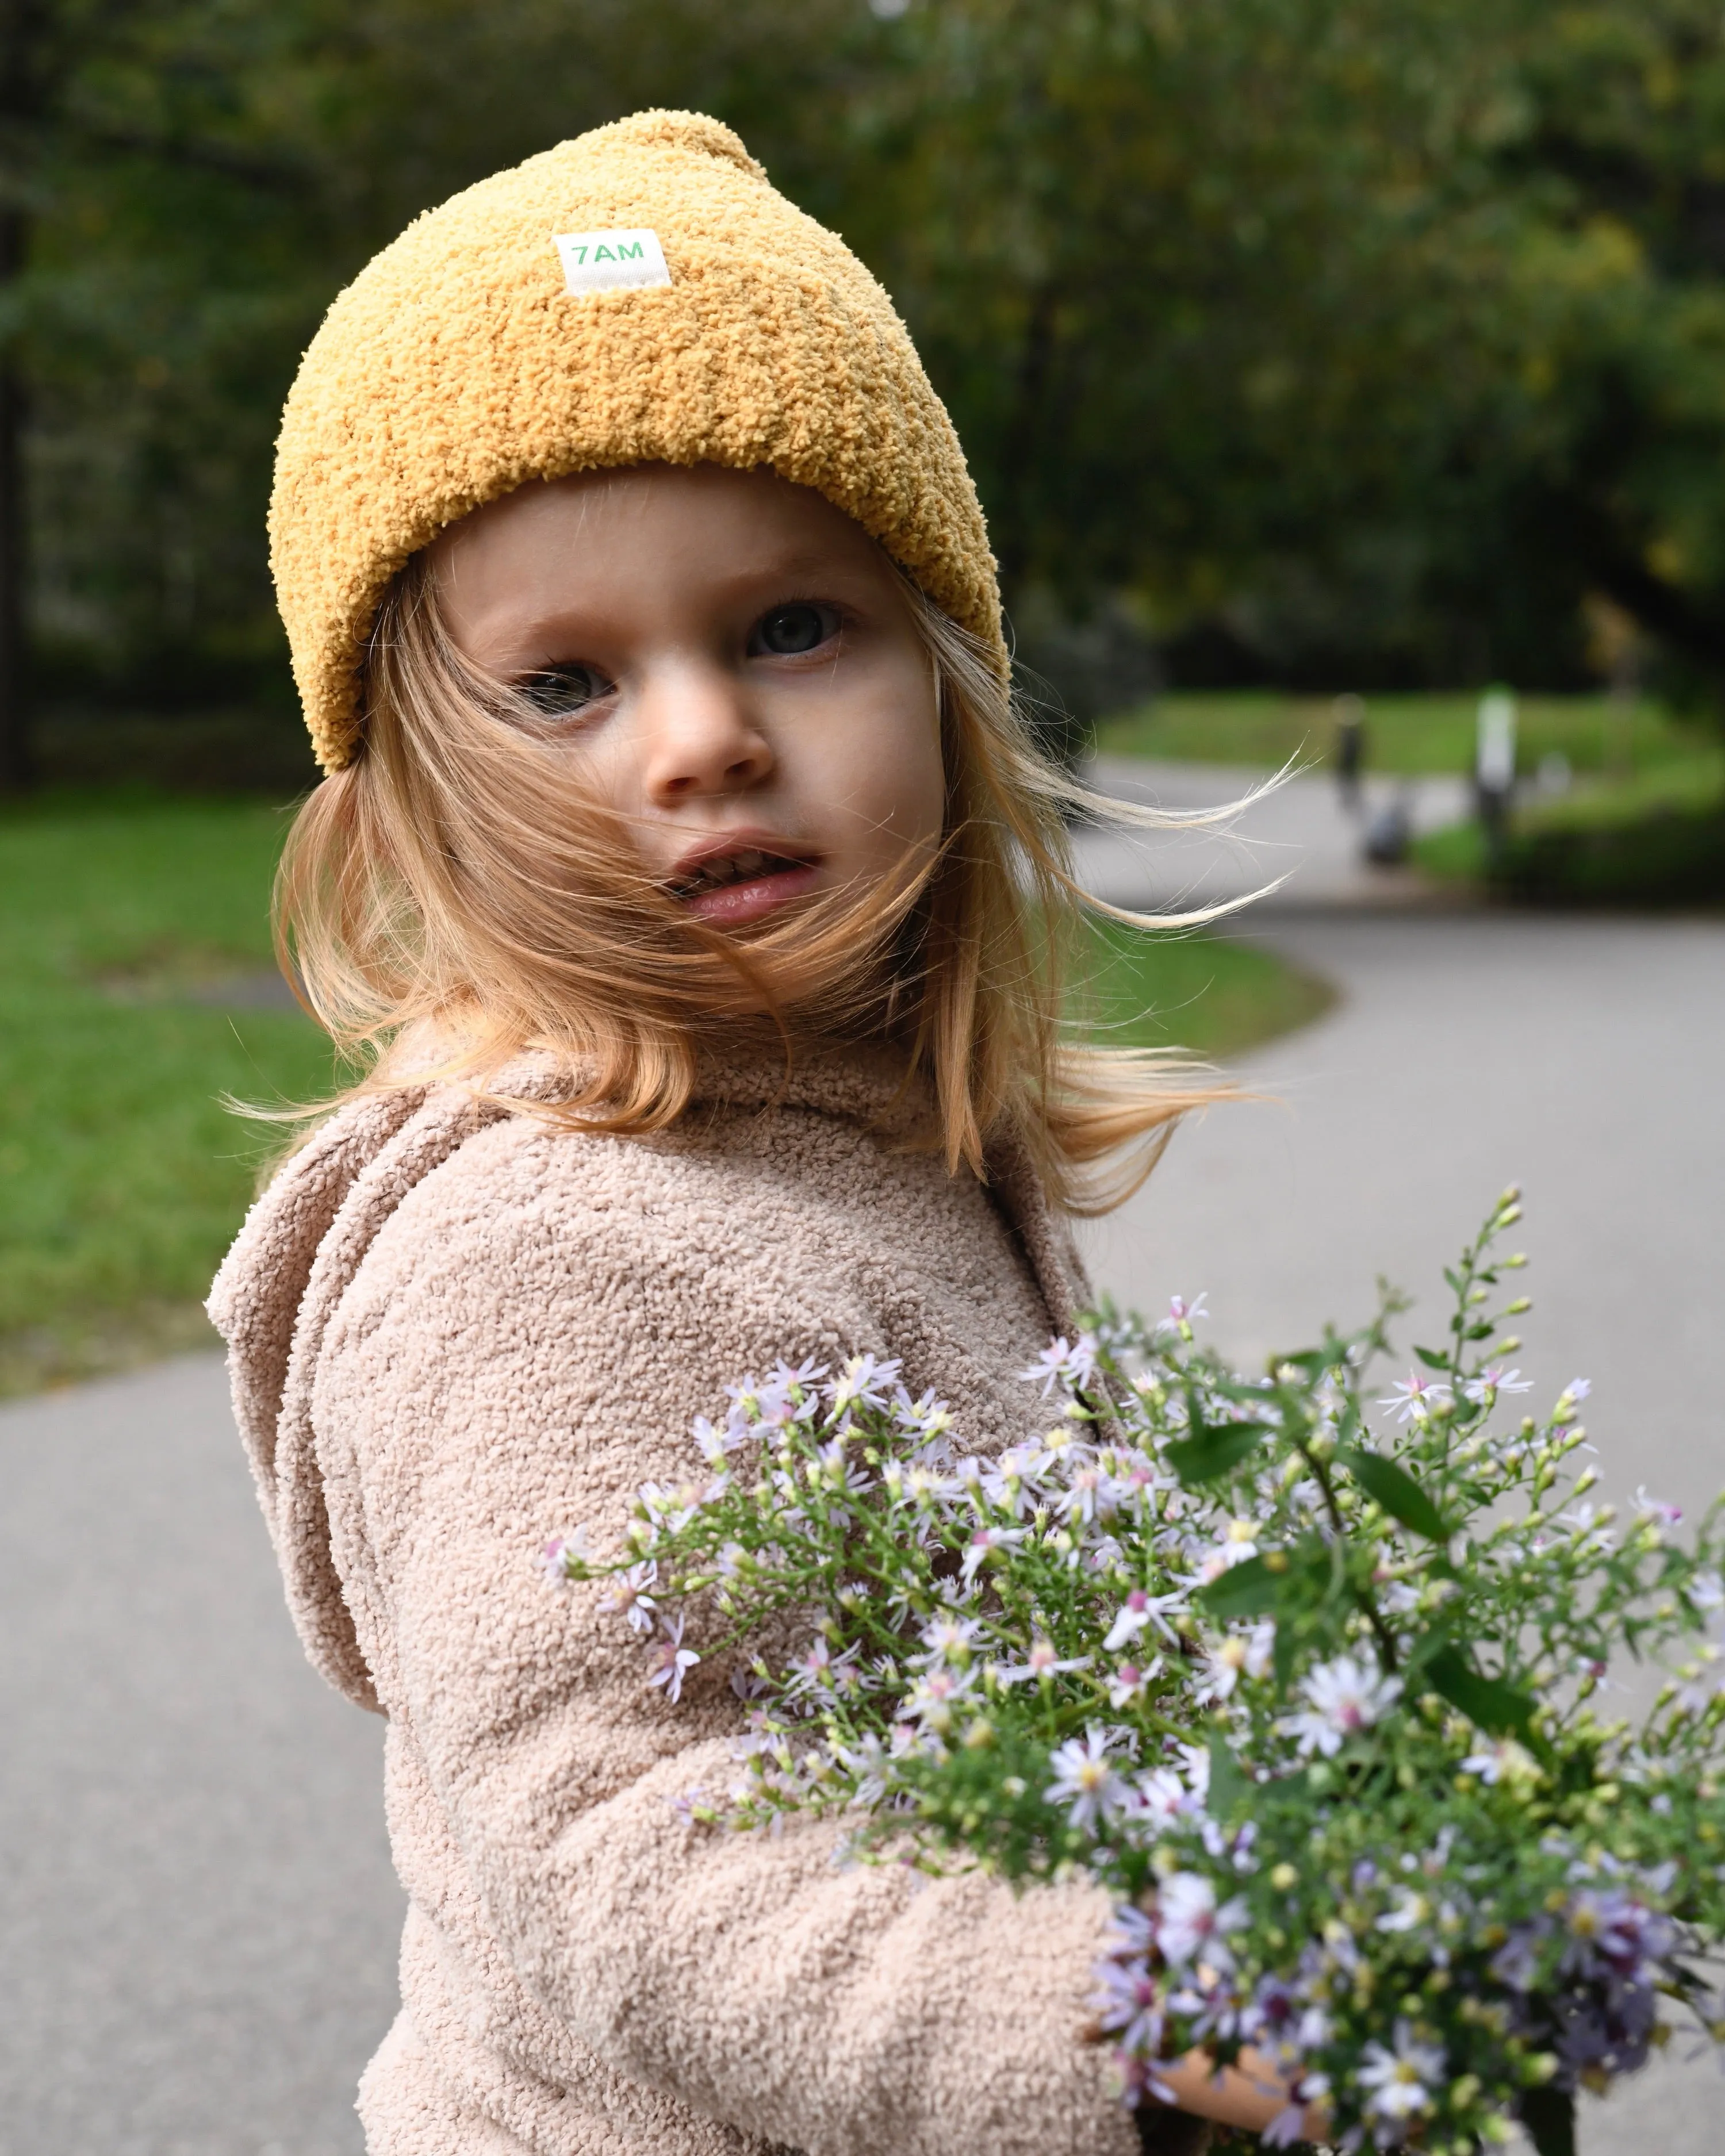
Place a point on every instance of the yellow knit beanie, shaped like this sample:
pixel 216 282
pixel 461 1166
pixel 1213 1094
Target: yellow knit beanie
pixel 639 294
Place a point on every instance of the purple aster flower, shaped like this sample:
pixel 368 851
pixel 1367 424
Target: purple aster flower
pixel 1043 1660
pixel 1068 1362
pixel 1401 2080
pixel 1181 1313
pixel 632 1599
pixel 1347 1694
pixel 1189 1922
pixel 554 1557
pixel 1515 1963
pixel 1088 1781
pixel 1129 2005
pixel 672 1662
pixel 1415 1396
pixel 865 1381
pixel 1493 1379
pixel 1139 1610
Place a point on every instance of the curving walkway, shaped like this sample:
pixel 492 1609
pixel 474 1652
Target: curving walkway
pixel 198 1922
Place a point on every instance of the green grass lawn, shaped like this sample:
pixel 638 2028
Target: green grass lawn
pixel 121 1176
pixel 131 933
pixel 1209 994
pixel 1410 734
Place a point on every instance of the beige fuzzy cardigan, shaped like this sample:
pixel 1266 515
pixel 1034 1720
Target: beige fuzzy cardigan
pixel 454 1330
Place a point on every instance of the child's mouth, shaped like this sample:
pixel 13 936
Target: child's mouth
pixel 731 890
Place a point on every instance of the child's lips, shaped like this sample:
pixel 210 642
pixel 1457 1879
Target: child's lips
pixel 735 905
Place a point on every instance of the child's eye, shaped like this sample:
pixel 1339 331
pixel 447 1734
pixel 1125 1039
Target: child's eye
pixel 560 692
pixel 790 630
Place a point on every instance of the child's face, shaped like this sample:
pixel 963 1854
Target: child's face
pixel 733 661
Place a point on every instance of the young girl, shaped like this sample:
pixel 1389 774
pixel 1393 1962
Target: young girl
pixel 684 870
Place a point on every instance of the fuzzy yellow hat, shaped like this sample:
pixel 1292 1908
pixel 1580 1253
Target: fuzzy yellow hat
pixel 639 294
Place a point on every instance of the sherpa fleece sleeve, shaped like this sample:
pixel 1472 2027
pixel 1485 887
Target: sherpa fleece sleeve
pixel 499 1370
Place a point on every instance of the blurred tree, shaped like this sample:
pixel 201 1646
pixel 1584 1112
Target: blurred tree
pixel 1622 134
pixel 1361 337
pixel 1264 311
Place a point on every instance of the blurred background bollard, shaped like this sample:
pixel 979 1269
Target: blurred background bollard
pixel 1494 770
pixel 1349 713
pixel 1389 831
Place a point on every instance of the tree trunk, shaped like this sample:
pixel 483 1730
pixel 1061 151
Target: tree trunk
pixel 25 26
pixel 17 766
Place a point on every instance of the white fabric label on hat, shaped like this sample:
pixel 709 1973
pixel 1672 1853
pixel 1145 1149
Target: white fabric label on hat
pixel 612 261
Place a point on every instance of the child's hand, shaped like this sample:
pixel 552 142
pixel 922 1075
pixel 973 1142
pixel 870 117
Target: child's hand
pixel 1248 2095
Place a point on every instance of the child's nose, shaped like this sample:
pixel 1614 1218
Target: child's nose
pixel 700 737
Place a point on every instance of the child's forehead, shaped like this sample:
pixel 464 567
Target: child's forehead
pixel 643 543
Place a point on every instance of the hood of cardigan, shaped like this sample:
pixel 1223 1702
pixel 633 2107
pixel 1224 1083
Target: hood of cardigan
pixel 305 1239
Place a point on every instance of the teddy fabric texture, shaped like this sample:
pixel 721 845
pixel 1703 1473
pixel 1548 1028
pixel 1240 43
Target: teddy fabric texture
pixel 457 1329
pixel 476 352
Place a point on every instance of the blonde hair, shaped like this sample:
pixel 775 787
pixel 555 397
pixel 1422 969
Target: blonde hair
pixel 453 897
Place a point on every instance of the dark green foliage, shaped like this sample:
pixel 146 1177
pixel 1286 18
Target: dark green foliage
pixel 1364 338
pixel 1676 857
pixel 1548 2114
pixel 1488 1701
pixel 1395 1490
pixel 1211 1454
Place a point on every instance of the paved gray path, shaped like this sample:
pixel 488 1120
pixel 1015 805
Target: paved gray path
pixel 1300 833
pixel 1582 1058
pixel 197 1918
pixel 198 1922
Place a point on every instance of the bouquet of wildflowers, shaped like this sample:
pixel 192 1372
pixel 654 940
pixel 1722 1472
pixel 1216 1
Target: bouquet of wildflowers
pixel 1309 1674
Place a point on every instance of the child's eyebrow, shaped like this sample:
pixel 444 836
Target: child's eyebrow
pixel 801 564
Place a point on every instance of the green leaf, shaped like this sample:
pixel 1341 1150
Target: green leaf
pixel 1422 1649
pixel 1488 1703
pixel 1396 1490
pixel 1432 1359
pixel 1453 1278
pixel 1229 1786
pixel 1214 1452
pixel 1244 1590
